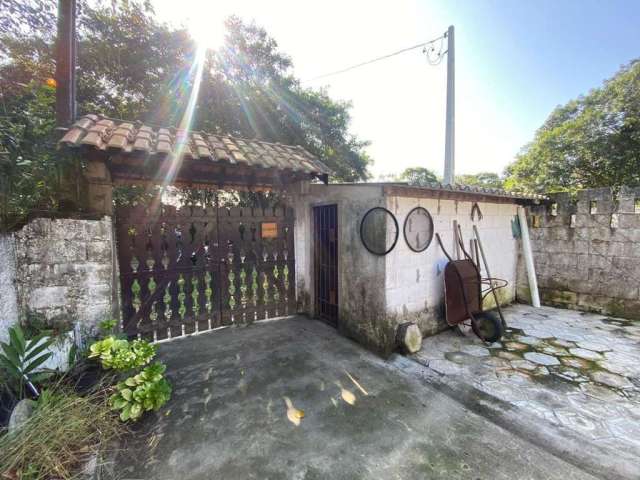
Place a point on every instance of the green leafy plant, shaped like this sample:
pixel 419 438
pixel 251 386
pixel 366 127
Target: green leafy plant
pixel 107 327
pixel 20 358
pixel 122 355
pixel 148 390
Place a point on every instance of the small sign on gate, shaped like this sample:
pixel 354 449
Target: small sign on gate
pixel 269 230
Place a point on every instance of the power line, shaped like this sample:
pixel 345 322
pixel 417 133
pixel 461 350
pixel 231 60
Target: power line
pixel 430 50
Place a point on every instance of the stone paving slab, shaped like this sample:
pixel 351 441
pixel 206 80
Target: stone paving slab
pixel 574 369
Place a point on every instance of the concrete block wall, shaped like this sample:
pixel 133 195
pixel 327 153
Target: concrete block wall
pixel 592 262
pixel 414 281
pixel 361 276
pixel 377 293
pixel 64 272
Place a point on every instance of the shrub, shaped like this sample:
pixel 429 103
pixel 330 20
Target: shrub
pixel 63 431
pixel 107 327
pixel 122 355
pixel 148 390
pixel 21 357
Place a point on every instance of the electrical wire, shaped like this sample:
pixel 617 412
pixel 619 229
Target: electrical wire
pixel 428 49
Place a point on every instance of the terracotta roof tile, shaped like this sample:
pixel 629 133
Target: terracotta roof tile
pixel 102 133
pixel 84 123
pixel 239 157
pixel 163 146
pixel 220 154
pixel 142 143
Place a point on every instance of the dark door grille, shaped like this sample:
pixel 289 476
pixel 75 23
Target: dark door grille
pixel 326 262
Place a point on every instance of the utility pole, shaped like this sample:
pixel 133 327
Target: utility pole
pixel 66 64
pixel 450 132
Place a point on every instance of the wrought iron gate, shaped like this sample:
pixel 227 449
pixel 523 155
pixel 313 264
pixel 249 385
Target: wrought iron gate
pixel 190 269
pixel 326 262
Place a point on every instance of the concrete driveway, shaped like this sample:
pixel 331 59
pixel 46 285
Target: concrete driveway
pixel 291 399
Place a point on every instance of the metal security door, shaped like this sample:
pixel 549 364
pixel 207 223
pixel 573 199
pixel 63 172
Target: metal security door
pixel 191 269
pixel 326 262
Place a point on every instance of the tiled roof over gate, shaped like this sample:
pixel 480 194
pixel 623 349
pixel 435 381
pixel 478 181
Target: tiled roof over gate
pixel 109 135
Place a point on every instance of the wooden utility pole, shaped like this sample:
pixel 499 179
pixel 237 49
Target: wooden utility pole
pixel 66 64
pixel 450 132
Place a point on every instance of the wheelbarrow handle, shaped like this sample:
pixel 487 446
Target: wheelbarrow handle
pixel 444 250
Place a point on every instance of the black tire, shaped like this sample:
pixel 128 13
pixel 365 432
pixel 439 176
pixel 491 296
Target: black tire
pixel 488 326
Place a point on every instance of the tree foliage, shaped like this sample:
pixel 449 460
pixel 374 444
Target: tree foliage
pixel 592 141
pixel 132 66
pixel 482 179
pixel 420 176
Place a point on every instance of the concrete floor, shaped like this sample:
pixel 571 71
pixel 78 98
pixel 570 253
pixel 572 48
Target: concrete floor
pixel 291 399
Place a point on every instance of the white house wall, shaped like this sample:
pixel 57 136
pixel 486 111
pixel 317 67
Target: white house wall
pixel 361 275
pixel 377 293
pixel 414 284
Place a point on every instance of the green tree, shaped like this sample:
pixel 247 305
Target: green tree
pixel 592 141
pixel 134 67
pixel 482 179
pixel 418 176
pixel 33 174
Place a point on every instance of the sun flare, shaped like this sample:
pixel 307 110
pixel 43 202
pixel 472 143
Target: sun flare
pixel 207 34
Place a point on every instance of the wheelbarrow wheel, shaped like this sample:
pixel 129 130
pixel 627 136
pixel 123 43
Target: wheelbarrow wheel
pixel 488 326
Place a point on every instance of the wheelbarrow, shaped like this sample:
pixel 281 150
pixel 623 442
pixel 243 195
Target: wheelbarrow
pixel 464 293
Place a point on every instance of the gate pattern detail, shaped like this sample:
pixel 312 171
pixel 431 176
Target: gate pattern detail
pixel 191 269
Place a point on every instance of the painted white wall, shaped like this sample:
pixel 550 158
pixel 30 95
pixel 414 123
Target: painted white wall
pixel 8 293
pixel 353 202
pixel 414 280
pixel 376 293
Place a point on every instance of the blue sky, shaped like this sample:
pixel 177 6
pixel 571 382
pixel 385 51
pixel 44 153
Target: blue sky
pixel 515 61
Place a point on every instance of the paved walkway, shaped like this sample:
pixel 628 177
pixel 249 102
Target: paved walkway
pixel 292 399
pixel 578 371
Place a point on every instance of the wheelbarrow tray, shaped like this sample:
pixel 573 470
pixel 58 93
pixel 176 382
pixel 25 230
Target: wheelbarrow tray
pixel 462 291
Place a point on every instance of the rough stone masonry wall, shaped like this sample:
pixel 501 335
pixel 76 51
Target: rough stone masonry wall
pixel 587 255
pixel 64 272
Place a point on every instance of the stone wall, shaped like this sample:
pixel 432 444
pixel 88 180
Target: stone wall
pixel 587 252
pixel 64 272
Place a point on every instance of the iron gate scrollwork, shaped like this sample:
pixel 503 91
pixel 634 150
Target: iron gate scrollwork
pixel 191 269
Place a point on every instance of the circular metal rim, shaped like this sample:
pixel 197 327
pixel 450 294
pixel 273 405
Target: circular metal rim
pixel 404 229
pixel 395 241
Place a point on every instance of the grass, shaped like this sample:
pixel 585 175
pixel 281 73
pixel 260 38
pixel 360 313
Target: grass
pixel 65 430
